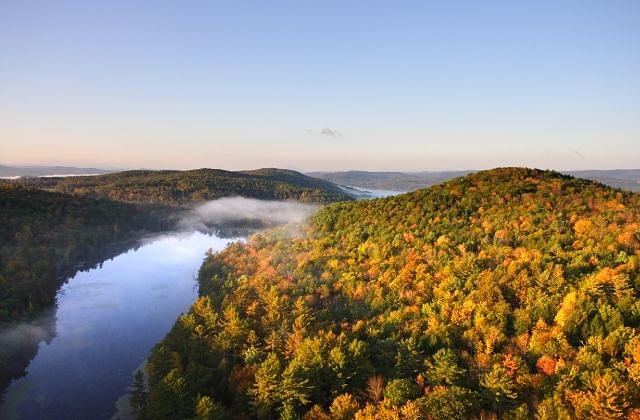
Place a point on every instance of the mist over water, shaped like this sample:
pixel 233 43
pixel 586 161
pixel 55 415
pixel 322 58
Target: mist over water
pixel 81 354
pixel 36 330
pixel 19 345
pixel 239 210
pixel 368 193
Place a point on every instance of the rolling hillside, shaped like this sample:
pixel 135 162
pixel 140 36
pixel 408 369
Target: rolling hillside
pixel 181 187
pixel 626 179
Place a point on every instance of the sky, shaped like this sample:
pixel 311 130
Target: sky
pixel 321 85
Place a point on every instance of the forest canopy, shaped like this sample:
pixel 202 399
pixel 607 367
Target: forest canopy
pixel 506 293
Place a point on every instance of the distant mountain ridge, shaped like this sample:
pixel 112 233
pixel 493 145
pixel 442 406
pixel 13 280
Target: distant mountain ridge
pixel 627 179
pixel 35 170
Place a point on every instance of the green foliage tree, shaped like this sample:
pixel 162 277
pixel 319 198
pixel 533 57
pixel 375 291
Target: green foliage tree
pixel 498 389
pixel 443 369
pixel 451 402
pixel 399 391
pixel 139 395
pixel 265 391
pixel 208 409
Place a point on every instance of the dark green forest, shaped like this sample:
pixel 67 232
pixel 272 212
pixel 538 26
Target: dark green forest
pixel 510 293
pixel 182 187
pixel 45 237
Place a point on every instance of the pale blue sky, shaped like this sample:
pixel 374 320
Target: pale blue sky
pixel 403 85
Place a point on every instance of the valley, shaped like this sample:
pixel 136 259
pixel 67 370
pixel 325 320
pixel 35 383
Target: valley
pixel 481 296
pixel 294 210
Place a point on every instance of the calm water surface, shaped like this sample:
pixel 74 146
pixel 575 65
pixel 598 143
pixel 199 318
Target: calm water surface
pixel 107 320
pixel 368 193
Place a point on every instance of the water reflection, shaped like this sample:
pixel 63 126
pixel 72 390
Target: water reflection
pixel 19 344
pixel 107 320
pixel 369 193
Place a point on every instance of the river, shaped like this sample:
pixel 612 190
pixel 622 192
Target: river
pixel 106 321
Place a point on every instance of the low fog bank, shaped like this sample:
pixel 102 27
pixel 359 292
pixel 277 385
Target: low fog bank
pixel 19 344
pixel 247 212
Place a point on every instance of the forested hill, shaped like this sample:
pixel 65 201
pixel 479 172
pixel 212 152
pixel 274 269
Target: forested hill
pixel 179 187
pixel 511 293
